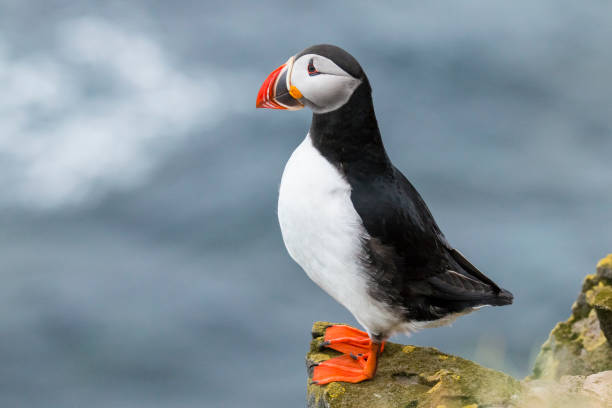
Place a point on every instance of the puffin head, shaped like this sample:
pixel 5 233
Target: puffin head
pixel 322 77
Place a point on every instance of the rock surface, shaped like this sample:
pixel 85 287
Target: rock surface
pixel 579 346
pixel 574 368
pixel 593 391
pixel 410 377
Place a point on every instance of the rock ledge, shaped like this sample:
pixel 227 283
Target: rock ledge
pixel 574 368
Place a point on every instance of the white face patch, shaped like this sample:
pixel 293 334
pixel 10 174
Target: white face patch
pixel 327 87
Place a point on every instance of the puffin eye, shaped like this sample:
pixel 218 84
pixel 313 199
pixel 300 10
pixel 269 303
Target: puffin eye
pixel 312 71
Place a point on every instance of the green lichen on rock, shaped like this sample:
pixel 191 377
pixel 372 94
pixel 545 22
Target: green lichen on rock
pixel 604 267
pixel 413 377
pixel 582 344
pixel 600 297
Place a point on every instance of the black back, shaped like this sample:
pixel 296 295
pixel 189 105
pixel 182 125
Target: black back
pixel 411 264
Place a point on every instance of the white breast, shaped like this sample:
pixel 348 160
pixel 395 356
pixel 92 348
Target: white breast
pixel 324 234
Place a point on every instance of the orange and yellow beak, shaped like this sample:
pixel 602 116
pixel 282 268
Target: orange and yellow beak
pixel 276 92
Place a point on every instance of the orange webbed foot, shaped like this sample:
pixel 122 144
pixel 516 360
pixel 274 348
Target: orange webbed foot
pixel 357 364
pixel 347 339
pixel 347 368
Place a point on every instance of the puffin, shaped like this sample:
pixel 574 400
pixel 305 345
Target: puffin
pixel 356 225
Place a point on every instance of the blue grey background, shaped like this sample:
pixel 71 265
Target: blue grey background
pixel 140 256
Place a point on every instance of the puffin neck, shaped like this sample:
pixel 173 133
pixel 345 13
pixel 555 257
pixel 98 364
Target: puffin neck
pixel 349 136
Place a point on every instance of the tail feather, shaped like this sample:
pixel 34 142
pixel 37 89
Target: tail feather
pixel 502 298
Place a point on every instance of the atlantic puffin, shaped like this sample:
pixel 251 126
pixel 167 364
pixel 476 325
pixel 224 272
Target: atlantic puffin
pixel 356 225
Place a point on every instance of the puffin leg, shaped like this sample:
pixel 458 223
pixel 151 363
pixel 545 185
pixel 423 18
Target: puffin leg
pixel 347 340
pixel 348 367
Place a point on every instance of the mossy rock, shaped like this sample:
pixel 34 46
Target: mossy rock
pixel 582 344
pixel 604 268
pixel 600 298
pixel 413 377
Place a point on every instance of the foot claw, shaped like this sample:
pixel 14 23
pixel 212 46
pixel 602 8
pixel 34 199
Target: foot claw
pixel 354 357
pixel 323 344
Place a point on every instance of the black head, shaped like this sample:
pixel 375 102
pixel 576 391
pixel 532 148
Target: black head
pixel 322 77
pixel 339 56
pixel 330 82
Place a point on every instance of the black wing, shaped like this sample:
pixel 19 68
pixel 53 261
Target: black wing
pixel 411 262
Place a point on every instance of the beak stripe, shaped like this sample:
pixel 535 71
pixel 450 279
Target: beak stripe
pixel 289 71
pixel 265 96
pixel 289 96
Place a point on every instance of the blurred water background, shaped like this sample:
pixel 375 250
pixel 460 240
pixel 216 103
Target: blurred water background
pixel 140 255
